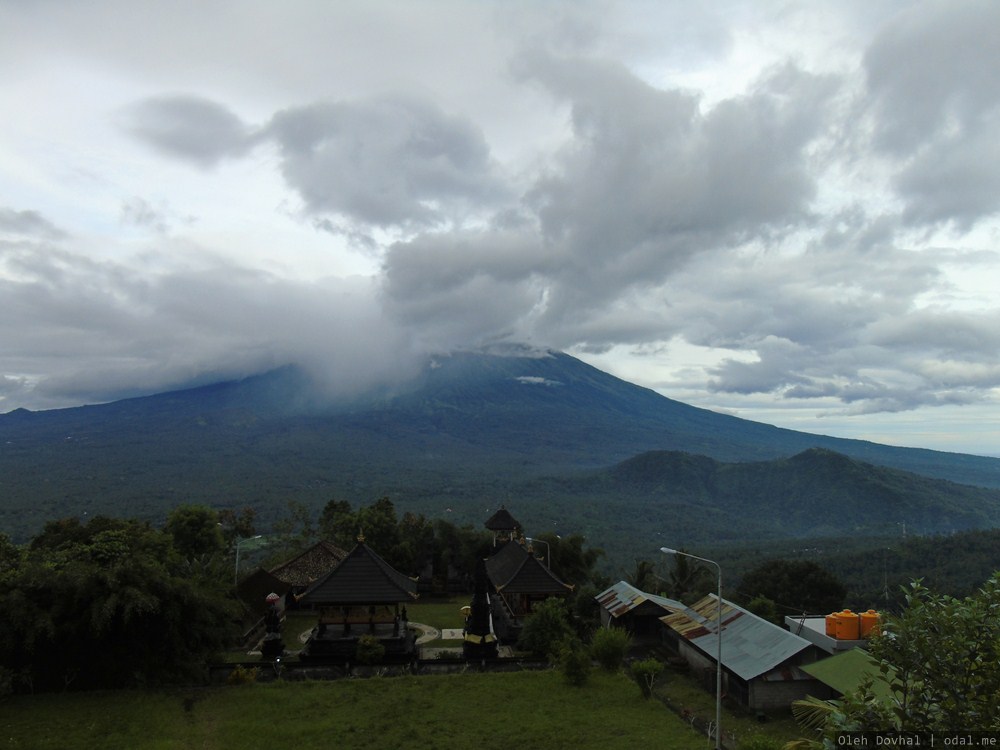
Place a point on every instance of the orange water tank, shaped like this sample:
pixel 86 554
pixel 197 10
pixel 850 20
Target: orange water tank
pixel 848 626
pixel 869 622
pixel 831 625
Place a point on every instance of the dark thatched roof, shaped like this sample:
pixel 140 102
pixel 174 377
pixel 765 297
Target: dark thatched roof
pixel 502 520
pixel 312 564
pixel 514 569
pixel 361 578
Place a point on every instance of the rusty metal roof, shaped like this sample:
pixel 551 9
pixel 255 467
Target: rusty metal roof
pixel 751 646
pixel 623 598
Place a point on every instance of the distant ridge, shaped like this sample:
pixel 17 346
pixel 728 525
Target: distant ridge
pixel 469 426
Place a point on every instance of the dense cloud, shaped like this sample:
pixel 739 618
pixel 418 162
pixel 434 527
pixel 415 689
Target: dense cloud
pixel 813 204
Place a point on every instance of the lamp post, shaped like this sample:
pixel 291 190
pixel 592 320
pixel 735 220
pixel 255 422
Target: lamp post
pixel 236 569
pixel 718 652
pixel 548 550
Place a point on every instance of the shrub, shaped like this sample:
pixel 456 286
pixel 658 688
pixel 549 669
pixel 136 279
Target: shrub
pixel 645 673
pixel 609 647
pixel 370 651
pixel 243 675
pixel 574 659
pixel 545 629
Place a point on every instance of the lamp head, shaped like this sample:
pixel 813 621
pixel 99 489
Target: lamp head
pixel 668 550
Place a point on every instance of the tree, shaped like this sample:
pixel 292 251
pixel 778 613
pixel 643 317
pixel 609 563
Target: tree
pixel 545 628
pixel 794 586
pixel 609 646
pixel 238 524
pixel 689 579
pixel 643 577
pixel 571 560
pixel 296 530
pixel 941 659
pixel 195 530
pixel 645 673
pixel 338 523
pixel 110 604
pixel 765 609
pixel 574 659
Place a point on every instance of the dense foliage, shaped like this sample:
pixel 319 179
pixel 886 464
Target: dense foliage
pixel 108 603
pixel 797 586
pixel 941 659
pixel 545 629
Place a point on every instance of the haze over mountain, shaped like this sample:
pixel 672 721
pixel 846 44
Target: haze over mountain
pixel 535 429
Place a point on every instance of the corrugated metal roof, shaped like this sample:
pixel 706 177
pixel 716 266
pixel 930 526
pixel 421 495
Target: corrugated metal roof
pixel 751 646
pixel 623 597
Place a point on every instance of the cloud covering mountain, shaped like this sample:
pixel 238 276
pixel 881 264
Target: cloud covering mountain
pixel 789 214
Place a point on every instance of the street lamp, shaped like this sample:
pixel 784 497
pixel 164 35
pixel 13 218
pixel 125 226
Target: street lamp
pixel 548 555
pixel 718 653
pixel 236 569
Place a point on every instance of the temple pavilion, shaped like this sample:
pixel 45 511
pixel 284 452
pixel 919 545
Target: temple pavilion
pixel 518 579
pixel 362 595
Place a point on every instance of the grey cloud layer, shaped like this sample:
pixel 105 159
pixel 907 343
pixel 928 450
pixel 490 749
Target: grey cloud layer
pixel 380 162
pixel 730 225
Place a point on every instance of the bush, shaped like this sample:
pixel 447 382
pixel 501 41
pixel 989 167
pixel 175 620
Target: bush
pixel 609 647
pixel 545 629
pixel 645 673
pixel 574 660
pixel 243 675
pixel 370 651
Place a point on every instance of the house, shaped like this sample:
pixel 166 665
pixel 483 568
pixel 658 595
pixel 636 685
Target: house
pixel 362 595
pixel 518 581
pixel 761 662
pixel 624 606
pixel 845 672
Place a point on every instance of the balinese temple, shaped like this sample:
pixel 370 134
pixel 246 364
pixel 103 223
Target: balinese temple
pixel 519 581
pixel 299 573
pixel 362 595
pixel 504 526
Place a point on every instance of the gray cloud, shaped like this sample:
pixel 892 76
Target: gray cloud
pixel 934 96
pixel 547 179
pixel 646 182
pixel 386 161
pixel 101 331
pixel 190 127
pixel 16 223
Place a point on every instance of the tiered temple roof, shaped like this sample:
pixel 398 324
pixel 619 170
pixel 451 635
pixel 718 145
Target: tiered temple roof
pixel 362 577
pixel 514 569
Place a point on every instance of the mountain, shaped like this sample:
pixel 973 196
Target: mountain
pixel 470 430
pixel 814 493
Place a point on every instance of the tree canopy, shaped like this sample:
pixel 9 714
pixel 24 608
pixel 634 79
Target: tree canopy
pixel 109 603
pixel 794 586
pixel 941 660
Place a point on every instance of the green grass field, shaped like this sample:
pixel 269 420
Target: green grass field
pixel 536 709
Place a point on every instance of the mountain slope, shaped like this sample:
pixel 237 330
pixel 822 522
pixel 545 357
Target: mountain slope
pixel 471 426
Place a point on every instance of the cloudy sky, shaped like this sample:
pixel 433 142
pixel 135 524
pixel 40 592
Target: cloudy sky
pixel 785 211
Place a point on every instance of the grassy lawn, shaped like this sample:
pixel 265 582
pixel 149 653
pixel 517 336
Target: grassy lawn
pixel 450 711
pixel 438 613
pixel 681 690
